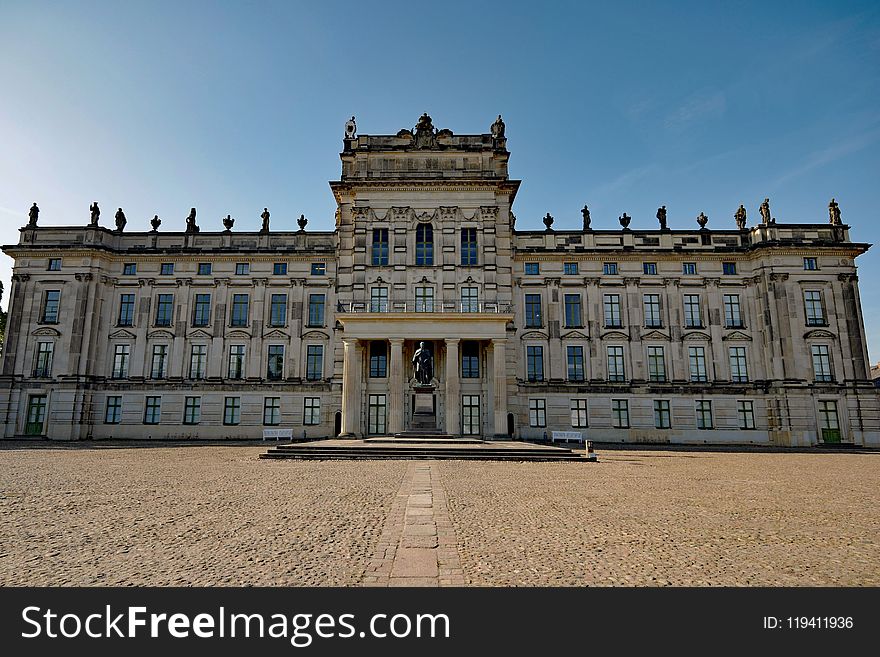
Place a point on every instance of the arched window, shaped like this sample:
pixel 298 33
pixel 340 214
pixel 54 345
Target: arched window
pixel 425 244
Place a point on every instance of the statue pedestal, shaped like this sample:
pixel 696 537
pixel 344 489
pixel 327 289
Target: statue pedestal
pixel 424 408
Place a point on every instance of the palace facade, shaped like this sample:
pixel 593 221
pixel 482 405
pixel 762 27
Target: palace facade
pixel 751 335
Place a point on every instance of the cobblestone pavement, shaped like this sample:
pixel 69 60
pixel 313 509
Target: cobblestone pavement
pixel 203 515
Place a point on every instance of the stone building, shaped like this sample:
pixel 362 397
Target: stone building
pixel 751 335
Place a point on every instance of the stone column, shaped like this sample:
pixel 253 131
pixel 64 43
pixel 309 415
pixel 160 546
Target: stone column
pixel 350 388
pixel 499 374
pixel 453 402
pixel 396 381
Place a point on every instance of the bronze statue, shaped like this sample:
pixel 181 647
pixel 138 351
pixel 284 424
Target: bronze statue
pixel 191 226
pixel 95 213
pixel 740 217
pixel 834 212
pixel 33 214
pixel 423 365
pixel 624 220
pixel 154 222
pixel 548 221
pixel 661 216
pixel 228 221
pixel 497 128
pixel 585 211
pixel 301 222
pixel 265 218
pixel 120 220
pixel 765 212
pixel 702 220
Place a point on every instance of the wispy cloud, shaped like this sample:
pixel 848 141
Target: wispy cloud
pixel 828 155
pixel 622 182
pixel 14 213
pixel 696 108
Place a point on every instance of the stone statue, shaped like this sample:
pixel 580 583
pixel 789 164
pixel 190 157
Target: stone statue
pixel 120 220
pixel 95 212
pixel 740 217
pixel 497 128
pixel 350 129
pixel 424 134
pixel 765 212
pixel 265 218
pixel 702 220
pixel 423 365
pixel 228 222
pixel 33 215
pixel 302 221
pixel 548 221
pixel 661 217
pixel 191 226
pixel 834 213
pixel 585 211
pixel 624 220
pixel 155 222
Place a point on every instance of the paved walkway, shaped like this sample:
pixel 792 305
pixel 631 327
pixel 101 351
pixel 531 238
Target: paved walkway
pixel 417 546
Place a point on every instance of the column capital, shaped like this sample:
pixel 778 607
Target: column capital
pixel 501 341
pixel 396 341
pixel 451 340
pixel 350 341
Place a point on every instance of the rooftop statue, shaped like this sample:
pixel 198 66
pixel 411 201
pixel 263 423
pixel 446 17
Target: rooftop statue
pixel 95 212
pixel 33 215
pixel 765 213
pixel 423 365
pixel 661 217
pixel 585 211
pixel 350 129
pixel 740 217
pixel 155 222
pixel 265 218
pixel 834 213
pixel 702 220
pixel 191 226
pixel 424 132
pixel 228 222
pixel 120 220
pixel 497 128
pixel 624 220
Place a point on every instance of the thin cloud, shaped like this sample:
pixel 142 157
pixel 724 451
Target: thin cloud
pixel 695 109
pixel 828 155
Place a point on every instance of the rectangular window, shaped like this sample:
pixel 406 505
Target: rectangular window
pixel 533 311
pixel 378 299
pixel 279 269
pixel 380 246
pixel 728 268
pixel 376 414
pixel 36 415
pixel 51 301
pixel 126 310
pixel 612 311
pixel 745 411
pixel 620 413
pixel 314 362
pixel 821 362
pixel 242 268
pixel 424 245
pixel 278 310
pixel 231 410
pixel 651 303
pixel 815 309
pixel 468 246
pixel 649 268
pixel 424 299
pixel 692 314
pixel 316 310
pixel 43 365
pixel 533 268
pixel 609 269
pixel 732 312
pixel 198 358
pixel 616 368
pixel 656 364
pixel 537 413
pixel 535 363
pixel 739 372
pixel 662 418
pixel 204 269
pixel 153 410
pixel 470 360
pixel 236 362
pixel 689 268
pixel 829 423
pixel 113 410
pixel 703 410
pixel 159 365
pixel 240 305
pixel 121 356
pixel 378 359
pixel 811 264
pixel 192 410
pixel 579 413
pixel 271 411
pixel 166 269
pixel 469 300
pixel 573 315
pixel 311 411
pixel 320 268
pixel 129 269
pixel 575 358
pixel 202 310
pixel 164 309
pixel 570 268
pixel 54 264
pixel 470 415
pixel 275 364
pixel 697 363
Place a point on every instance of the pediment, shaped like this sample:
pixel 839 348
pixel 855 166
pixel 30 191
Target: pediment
pixel 654 335
pixel 199 333
pixel 697 335
pixel 737 335
pixel 275 334
pixel 315 335
pixel 534 335
pixel 45 330
pixel 575 335
pixel 237 335
pixel 819 333
pixel 160 335
pixel 615 335
pixel 122 334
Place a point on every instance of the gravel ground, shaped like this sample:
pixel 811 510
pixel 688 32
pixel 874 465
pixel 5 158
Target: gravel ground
pixel 208 515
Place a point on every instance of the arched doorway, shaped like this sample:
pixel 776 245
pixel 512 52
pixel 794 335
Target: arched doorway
pixel 510 426
pixel 337 423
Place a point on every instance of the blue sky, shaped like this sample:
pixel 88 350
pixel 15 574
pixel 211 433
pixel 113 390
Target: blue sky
pixel 233 106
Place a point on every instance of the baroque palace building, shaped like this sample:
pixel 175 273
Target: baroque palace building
pixel 749 335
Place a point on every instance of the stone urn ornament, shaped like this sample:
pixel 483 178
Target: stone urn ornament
pixel 624 220
pixel 702 220
pixel 301 222
pixel 548 221
pixel 228 222
pixel 155 222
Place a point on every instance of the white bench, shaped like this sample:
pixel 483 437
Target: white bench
pixel 576 436
pixel 278 434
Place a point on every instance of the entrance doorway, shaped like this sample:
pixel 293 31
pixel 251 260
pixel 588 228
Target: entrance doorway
pixel 337 423
pixel 376 414
pixel 470 415
pixel 510 426
pixel 36 416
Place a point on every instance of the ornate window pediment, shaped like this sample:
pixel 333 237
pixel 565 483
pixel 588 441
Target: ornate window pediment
pixel 820 334
pixel 162 335
pixel 45 330
pixel 315 335
pixel 737 335
pixel 122 334
pixel 575 335
pixel 235 335
pixel 534 335
pixel 615 335
pixel 697 335
pixel 654 335
pixel 275 334
pixel 198 333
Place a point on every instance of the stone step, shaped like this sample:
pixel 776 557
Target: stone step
pixel 323 451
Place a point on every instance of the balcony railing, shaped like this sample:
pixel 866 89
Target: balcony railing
pixel 424 306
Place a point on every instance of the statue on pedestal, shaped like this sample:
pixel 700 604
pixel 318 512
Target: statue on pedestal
pixel 33 214
pixel 834 213
pixel 265 218
pixel 766 219
pixel 95 212
pixel 191 226
pixel 120 220
pixel 301 222
pixel 740 217
pixel 423 365
pixel 548 221
pixel 661 216
pixel 497 128
pixel 585 211
pixel 350 129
